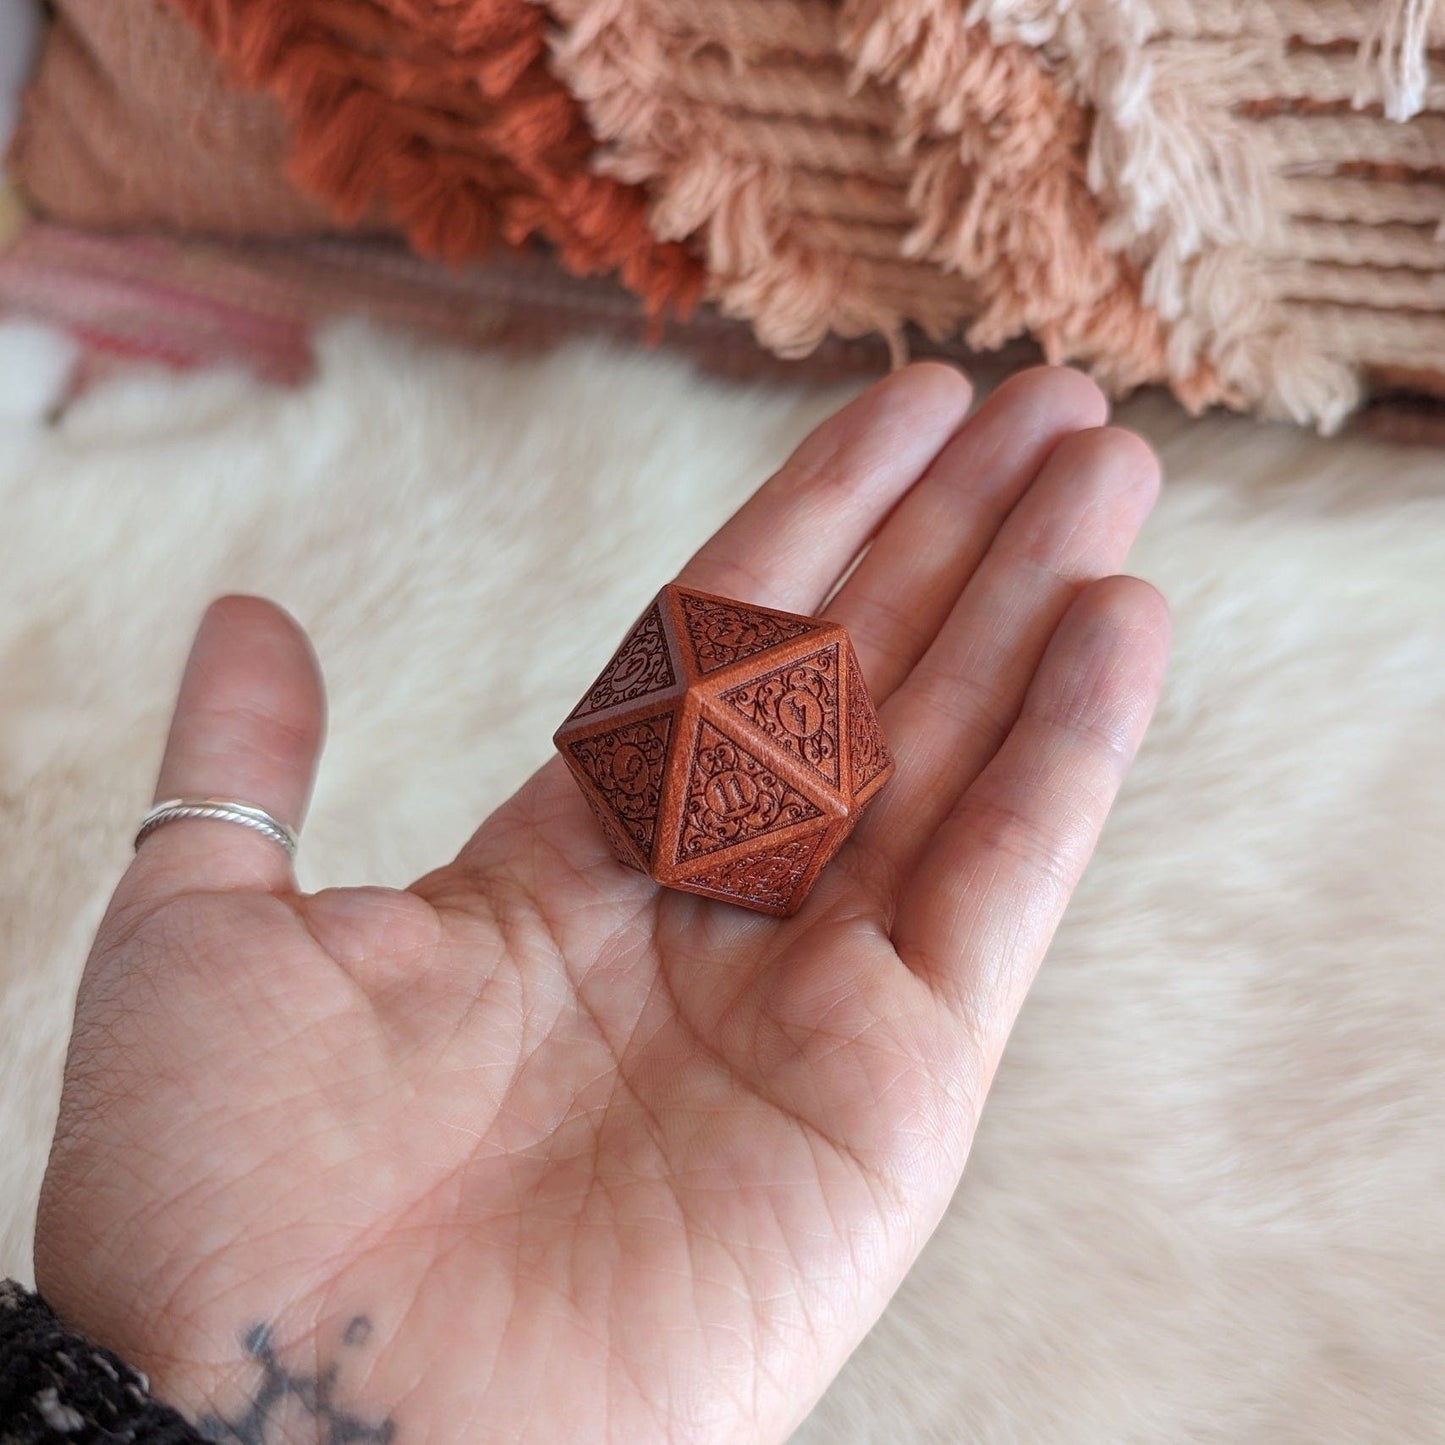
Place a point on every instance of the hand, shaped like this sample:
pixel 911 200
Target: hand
pixel 534 1150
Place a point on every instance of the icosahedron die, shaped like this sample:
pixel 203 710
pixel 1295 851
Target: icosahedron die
pixel 728 749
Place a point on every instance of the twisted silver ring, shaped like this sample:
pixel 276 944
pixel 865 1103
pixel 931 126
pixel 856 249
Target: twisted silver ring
pixel 224 810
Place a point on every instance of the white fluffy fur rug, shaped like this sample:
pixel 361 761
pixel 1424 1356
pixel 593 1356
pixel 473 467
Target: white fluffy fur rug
pixel 1206 1203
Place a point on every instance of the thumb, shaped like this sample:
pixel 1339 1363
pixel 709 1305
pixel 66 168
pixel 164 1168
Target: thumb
pixel 247 727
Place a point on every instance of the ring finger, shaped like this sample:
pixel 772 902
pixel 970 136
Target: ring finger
pixel 1075 524
pixel 905 586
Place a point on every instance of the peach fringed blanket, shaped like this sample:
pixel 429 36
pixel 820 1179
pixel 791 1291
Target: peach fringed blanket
pixel 860 166
pixel 1237 198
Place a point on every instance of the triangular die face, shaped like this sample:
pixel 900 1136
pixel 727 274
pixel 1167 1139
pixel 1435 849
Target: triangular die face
pixel 642 665
pixel 733 796
pixel 868 753
pixel 623 849
pixel 797 706
pixel 723 632
pixel 626 766
pixel 764 880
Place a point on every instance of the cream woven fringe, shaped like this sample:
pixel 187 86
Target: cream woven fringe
pixel 1240 198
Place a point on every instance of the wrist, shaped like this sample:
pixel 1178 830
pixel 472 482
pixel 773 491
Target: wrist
pixel 258 1387
pixel 59 1384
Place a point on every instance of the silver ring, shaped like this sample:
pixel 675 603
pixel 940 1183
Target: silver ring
pixel 224 810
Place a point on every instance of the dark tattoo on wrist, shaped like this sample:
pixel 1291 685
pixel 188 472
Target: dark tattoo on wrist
pixel 281 1399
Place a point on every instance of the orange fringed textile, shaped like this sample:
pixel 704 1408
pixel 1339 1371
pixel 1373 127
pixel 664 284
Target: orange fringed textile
pixel 130 124
pixel 444 118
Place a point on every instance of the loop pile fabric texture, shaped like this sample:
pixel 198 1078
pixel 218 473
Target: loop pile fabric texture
pixel 1240 199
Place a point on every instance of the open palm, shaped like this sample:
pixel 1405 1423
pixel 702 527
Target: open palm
pixel 534 1150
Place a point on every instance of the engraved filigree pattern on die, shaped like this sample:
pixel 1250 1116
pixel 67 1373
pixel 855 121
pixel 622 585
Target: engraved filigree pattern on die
pixel 725 632
pixel 769 879
pixel 612 831
pixel 867 749
pixel 733 796
pixel 797 705
pixel 640 666
pixel 626 764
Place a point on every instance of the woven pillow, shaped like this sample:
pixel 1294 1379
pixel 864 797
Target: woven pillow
pixel 129 122
pixel 1236 198
pixel 457 143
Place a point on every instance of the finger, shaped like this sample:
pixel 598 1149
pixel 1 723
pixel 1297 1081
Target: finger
pixel 989 890
pixel 904 588
pixel 788 545
pixel 247 726
pixel 1073 525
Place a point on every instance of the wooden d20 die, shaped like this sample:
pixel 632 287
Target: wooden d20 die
pixel 728 749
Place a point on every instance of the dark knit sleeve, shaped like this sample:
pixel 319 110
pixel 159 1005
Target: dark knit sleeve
pixel 57 1386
